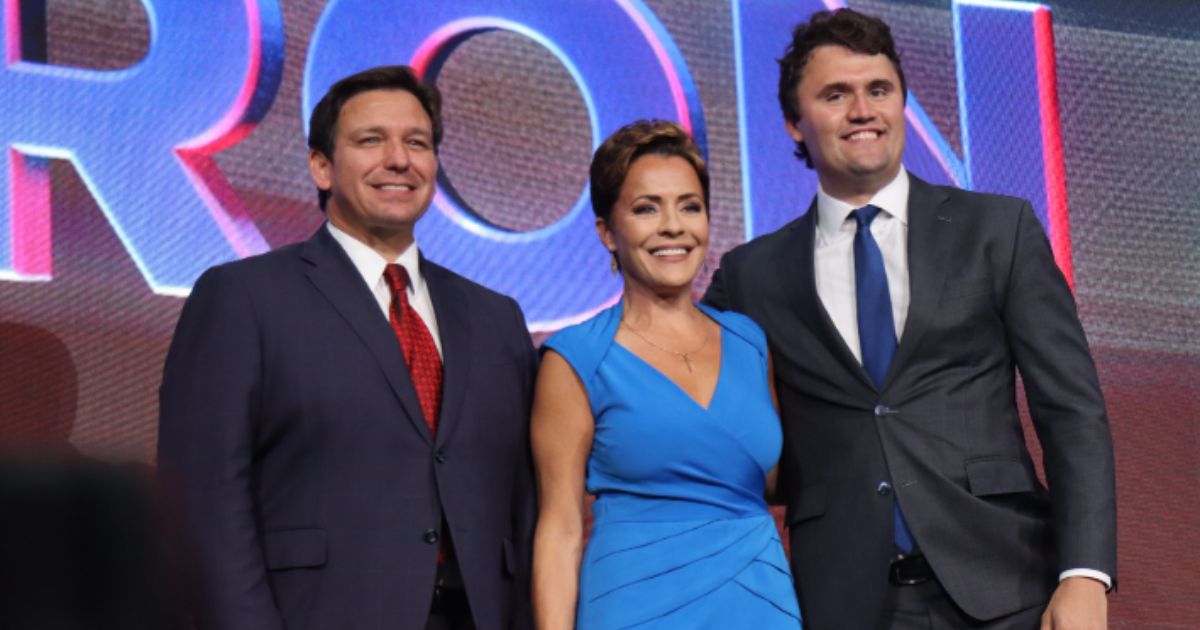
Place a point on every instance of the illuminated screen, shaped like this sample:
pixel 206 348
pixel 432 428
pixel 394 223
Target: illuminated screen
pixel 146 141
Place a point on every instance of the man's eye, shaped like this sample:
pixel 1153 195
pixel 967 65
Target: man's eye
pixel 418 144
pixel 834 97
pixel 879 92
pixel 370 140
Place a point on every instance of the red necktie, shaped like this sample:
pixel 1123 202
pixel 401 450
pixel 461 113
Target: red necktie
pixel 420 353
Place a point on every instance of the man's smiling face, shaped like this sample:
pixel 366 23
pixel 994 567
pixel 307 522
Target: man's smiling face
pixel 383 171
pixel 851 120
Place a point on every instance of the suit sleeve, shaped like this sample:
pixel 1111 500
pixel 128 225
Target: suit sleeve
pixel 1065 402
pixel 208 414
pixel 524 488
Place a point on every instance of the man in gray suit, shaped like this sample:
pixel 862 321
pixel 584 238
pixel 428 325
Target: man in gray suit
pixel 898 313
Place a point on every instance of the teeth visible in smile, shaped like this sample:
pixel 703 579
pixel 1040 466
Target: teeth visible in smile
pixel 864 135
pixel 670 251
pixel 395 187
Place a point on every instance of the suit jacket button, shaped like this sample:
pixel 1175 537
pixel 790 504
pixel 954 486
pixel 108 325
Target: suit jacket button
pixel 431 536
pixel 881 411
pixel 884 488
pixel 439 457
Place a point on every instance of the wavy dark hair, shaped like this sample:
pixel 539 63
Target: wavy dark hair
pixel 847 28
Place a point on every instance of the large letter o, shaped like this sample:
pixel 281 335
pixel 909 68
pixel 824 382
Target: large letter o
pixel 626 67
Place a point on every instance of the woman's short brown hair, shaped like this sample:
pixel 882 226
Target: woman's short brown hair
pixel 611 162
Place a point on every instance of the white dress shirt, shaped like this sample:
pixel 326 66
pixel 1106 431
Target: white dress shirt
pixel 833 264
pixel 370 265
pixel 834 256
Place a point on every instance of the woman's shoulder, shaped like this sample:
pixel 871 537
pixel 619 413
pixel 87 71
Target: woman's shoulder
pixel 584 344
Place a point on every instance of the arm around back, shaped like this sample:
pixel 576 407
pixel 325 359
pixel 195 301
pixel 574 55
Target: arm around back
pixel 524 488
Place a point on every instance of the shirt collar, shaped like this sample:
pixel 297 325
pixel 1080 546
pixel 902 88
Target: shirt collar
pixel 370 264
pixel 892 199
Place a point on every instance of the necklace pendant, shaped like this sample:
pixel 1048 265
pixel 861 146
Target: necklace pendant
pixel 688 362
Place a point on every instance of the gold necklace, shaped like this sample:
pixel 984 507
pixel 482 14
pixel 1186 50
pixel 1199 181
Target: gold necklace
pixel 687 360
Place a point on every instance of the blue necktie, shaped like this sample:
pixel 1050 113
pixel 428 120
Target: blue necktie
pixel 876 328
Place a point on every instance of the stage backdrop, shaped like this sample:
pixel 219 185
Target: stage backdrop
pixel 145 141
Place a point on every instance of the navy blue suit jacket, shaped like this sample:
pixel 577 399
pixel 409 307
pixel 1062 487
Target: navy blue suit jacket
pixel 308 475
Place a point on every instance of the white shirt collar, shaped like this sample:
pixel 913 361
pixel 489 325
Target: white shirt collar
pixel 892 199
pixel 370 264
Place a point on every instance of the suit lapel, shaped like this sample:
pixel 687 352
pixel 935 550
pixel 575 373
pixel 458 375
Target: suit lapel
pixel 335 276
pixel 455 331
pixel 797 255
pixel 930 223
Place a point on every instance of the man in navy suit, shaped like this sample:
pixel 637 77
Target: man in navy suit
pixel 898 314
pixel 347 421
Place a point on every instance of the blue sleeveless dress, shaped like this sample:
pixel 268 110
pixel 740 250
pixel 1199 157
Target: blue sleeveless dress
pixel 681 535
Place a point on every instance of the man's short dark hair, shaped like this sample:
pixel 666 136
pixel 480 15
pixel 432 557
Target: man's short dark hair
pixel 322 125
pixel 847 28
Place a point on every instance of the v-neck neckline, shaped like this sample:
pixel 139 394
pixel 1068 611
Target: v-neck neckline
pixel 712 396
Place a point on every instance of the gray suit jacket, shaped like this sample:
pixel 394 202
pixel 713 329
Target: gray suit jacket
pixel 943 432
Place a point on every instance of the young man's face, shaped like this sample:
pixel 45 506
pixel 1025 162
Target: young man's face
pixel 851 120
pixel 383 171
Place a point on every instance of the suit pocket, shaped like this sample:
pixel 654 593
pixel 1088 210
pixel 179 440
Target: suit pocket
pixel 986 477
pixel 808 503
pixel 294 558
pixel 294 548
pixel 971 286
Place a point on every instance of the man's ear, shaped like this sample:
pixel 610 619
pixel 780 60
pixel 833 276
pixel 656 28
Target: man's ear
pixel 793 130
pixel 321 169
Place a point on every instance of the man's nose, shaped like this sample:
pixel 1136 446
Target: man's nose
pixel 396 156
pixel 861 109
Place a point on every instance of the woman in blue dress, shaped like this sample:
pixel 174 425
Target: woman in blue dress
pixel 662 409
